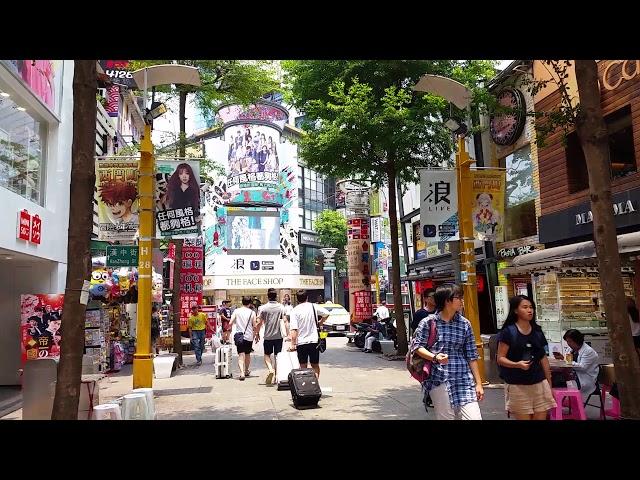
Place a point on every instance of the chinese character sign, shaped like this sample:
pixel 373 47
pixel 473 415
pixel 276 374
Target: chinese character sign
pixel 121 256
pixel 362 305
pixel 359 273
pixel 117 186
pixel 36 229
pixel 438 206
pixel 488 205
pixel 178 198
pixel 191 278
pixel 40 319
pixel 24 225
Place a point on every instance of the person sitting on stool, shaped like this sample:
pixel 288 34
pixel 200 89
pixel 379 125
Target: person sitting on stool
pixel 374 334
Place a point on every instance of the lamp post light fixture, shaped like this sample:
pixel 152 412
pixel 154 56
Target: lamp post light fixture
pixel 150 77
pixel 330 266
pixel 460 96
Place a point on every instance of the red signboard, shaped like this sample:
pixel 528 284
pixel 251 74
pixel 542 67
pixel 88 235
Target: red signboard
pixel 24 225
pixel 36 229
pixel 190 279
pixel 363 305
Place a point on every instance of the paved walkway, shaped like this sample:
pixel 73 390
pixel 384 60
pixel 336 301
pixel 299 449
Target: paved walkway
pixel 356 386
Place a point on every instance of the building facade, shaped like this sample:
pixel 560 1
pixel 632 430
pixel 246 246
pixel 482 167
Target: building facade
pixel 36 128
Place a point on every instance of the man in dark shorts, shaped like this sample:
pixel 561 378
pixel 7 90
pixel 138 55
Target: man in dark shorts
pixel 304 331
pixel 270 315
pixel 225 320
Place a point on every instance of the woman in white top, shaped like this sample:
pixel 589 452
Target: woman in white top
pixel 585 361
pixel 634 319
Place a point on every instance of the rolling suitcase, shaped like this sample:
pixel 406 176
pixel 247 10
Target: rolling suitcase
pixel 305 388
pixel 285 362
pixel 223 362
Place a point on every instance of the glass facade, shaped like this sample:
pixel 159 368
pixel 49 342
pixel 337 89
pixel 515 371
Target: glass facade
pixel 22 149
pixel 316 193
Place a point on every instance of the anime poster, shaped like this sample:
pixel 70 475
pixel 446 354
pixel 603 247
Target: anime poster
pixel 117 191
pixel 488 205
pixel 40 319
pixel 178 198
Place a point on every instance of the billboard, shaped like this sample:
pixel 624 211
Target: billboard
pixel 117 188
pixel 40 319
pixel 248 231
pixel 439 206
pixel 177 198
pixel 488 205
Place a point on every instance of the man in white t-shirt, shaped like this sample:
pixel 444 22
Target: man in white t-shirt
pixel 244 320
pixel 382 311
pixel 304 331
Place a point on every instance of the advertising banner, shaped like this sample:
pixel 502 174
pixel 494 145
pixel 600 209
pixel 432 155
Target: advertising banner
pixel 488 204
pixel 439 206
pixel 358 241
pixel 40 319
pixel 190 278
pixel 117 186
pixel 419 245
pixel 252 159
pixel 177 198
pixel 362 306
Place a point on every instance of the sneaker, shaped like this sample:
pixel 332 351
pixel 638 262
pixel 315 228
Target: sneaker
pixel 270 378
pixel 198 363
pixel 241 378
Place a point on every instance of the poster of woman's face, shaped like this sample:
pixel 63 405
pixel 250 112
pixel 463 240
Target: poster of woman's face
pixel 178 197
pixel 252 149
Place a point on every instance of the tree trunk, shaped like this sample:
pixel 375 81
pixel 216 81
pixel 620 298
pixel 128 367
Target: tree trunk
pixel 592 132
pixel 175 300
pixel 65 404
pixel 395 259
pixel 182 142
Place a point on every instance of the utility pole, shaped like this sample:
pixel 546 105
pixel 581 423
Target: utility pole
pixel 142 362
pixel 467 249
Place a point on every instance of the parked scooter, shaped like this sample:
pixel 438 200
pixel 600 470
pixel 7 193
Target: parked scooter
pixel 362 329
pixel 388 332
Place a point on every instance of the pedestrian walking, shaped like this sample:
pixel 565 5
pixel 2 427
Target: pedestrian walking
pixel 428 308
pixel 288 308
pixel 523 362
pixel 454 383
pixel 155 329
pixel 225 321
pixel 197 325
pixel 244 318
pixel 270 315
pixel 306 319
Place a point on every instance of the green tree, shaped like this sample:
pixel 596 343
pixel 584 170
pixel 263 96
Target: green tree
pixel 331 226
pixel 85 83
pixel 582 111
pixel 365 122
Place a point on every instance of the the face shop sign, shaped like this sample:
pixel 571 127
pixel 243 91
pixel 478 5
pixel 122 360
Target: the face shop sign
pixel 620 208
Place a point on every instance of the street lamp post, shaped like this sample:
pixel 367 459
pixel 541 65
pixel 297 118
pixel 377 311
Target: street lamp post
pixel 460 96
pixel 150 77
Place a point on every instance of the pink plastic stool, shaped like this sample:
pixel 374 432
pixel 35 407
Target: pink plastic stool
pixel 575 402
pixel 614 411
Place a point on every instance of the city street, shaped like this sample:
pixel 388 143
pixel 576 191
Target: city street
pixel 356 386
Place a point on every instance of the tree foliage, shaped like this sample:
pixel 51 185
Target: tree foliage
pixel 223 81
pixel 331 226
pixel 361 115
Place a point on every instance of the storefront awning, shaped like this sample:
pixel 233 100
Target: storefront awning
pixel 629 242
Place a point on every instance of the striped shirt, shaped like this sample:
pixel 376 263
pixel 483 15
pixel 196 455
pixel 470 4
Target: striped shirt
pixel 455 338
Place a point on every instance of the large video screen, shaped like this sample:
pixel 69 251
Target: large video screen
pixel 250 231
